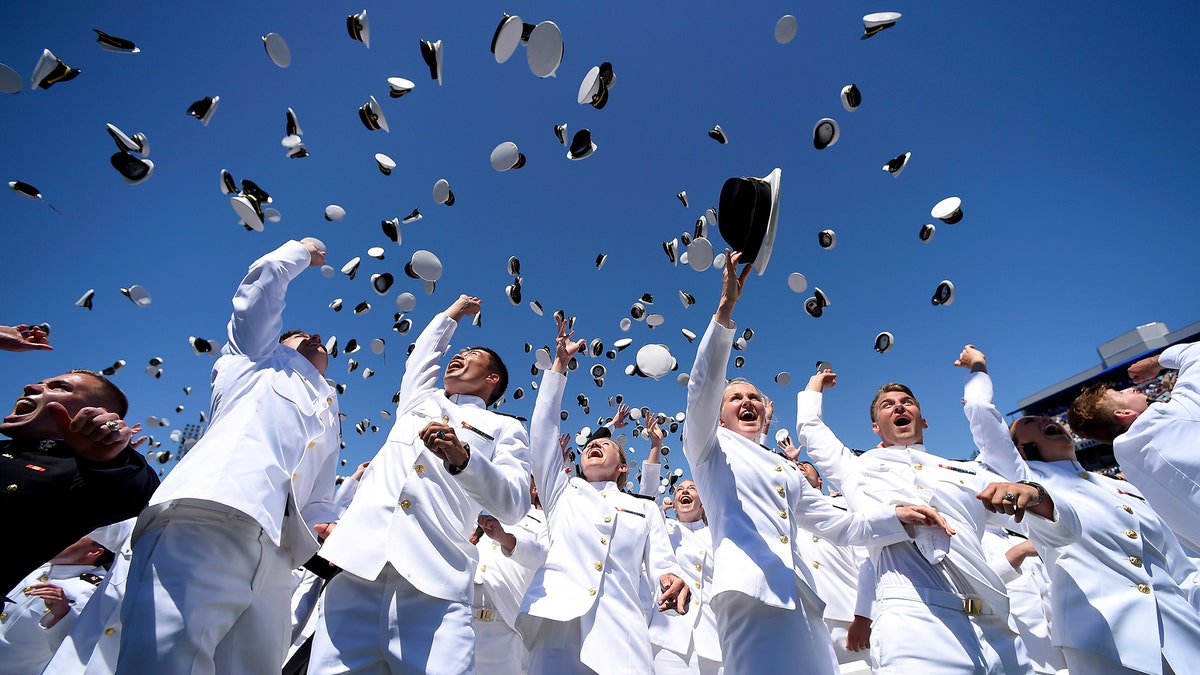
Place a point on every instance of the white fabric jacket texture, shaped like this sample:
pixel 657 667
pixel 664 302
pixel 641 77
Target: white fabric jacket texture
pixel 1116 569
pixel 273 439
pixel 409 511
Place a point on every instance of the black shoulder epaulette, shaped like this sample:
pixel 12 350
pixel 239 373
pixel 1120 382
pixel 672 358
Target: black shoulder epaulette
pixel 647 497
pixel 518 418
pixel 93 579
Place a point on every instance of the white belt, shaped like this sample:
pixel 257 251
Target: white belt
pixel 963 603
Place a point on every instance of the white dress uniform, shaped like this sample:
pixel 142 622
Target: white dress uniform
pixel 236 513
pixel 757 504
pixel 940 608
pixel 307 586
pixel 583 611
pixel 91 647
pixel 27 642
pixel 835 575
pixel 1028 598
pixel 685 643
pixel 1157 453
pixel 1115 566
pixel 402 602
pixel 501 580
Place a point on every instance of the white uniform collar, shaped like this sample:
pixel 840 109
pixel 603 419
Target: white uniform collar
pixel 695 525
pixel 470 400
pixel 605 485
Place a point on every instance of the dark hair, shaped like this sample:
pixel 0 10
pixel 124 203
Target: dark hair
pixel 889 388
pixel 291 333
pixel 497 366
pixel 1092 416
pixel 111 392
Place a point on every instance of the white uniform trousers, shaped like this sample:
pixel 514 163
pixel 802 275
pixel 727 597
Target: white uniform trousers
pixel 1087 662
pixel 499 650
pixel 912 637
pixel 758 638
pixel 208 593
pixel 387 626
pixel 837 637
pixel 556 647
pixel 667 662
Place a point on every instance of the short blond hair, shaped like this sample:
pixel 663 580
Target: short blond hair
pixel 1093 415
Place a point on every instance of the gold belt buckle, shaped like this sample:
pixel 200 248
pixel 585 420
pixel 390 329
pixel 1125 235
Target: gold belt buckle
pixel 483 614
pixel 972 606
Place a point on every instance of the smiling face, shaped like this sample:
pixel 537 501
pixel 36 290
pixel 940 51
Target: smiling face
pixel 310 347
pixel 742 410
pixel 1042 439
pixel 30 419
pixel 604 460
pixel 896 417
pixel 471 372
pixel 688 507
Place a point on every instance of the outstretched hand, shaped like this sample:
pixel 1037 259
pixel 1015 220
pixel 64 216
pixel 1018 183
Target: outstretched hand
pixel 972 359
pixel 564 347
pixel 822 381
pixel 731 288
pixel 675 594
pixel 919 514
pixel 94 433
pixel 23 338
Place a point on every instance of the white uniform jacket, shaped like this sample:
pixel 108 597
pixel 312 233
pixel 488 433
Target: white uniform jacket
pixel 834 571
pixel 1158 452
pixel 1115 566
pixel 910 475
pixel 693 547
pixel 274 434
pixel 758 502
pixel 506 576
pixel 602 541
pixel 409 510
pixel 26 645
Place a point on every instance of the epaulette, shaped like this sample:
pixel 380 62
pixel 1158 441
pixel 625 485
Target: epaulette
pixel 93 579
pixel 518 418
pixel 646 497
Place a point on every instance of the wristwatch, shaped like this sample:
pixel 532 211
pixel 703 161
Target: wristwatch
pixel 1041 492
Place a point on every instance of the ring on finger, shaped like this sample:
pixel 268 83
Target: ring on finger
pixel 112 425
pixel 440 435
pixel 1010 497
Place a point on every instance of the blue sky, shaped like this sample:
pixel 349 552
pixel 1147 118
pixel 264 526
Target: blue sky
pixel 1067 129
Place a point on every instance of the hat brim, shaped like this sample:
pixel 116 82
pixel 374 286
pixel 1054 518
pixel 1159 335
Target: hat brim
pixel 768 244
pixel 507 37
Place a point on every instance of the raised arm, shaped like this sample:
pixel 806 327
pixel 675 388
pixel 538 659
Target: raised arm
pixel 652 465
pixel 996 449
pixel 258 304
pixel 831 457
pixel 548 460
pixel 707 381
pixel 423 365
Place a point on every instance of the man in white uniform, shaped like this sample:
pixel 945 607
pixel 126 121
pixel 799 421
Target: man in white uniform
pixel 48 601
pixel 939 605
pixel 757 502
pixel 210 578
pixel 402 603
pixel 1155 444
pixel 90 648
